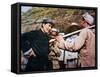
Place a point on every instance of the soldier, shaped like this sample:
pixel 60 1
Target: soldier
pixel 37 41
pixel 54 50
pixel 85 42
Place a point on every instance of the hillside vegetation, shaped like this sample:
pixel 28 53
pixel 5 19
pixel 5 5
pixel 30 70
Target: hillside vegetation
pixel 62 17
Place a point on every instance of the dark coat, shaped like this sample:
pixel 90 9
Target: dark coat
pixel 39 42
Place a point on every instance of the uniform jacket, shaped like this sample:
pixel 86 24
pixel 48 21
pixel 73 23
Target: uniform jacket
pixel 85 42
pixel 54 54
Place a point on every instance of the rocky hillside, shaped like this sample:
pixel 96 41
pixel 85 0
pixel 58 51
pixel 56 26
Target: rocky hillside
pixel 63 17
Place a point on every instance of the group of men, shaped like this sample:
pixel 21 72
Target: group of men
pixel 44 45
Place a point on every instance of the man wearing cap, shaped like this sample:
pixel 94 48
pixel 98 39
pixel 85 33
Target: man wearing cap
pixel 38 41
pixel 54 50
pixel 85 42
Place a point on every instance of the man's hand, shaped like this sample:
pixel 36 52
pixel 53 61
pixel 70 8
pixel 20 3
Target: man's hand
pixel 60 38
pixel 51 40
pixel 30 53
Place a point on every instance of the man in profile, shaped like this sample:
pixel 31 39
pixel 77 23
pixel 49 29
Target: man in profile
pixel 37 41
pixel 85 42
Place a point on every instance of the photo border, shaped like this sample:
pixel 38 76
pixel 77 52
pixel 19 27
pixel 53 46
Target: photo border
pixel 18 34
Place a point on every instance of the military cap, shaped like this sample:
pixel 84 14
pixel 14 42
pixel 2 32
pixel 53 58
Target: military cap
pixel 88 18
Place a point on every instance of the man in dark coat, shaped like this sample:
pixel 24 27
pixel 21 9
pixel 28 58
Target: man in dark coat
pixel 38 41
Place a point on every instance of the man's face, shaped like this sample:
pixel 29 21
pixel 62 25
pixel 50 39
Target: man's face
pixel 47 27
pixel 82 23
pixel 53 34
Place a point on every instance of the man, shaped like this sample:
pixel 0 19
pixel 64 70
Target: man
pixel 54 50
pixel 85 42
pixel 37 41
pixel 71 58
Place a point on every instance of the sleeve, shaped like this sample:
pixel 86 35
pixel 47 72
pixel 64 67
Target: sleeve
pixel 65 45
pixel 77 44
pixel 80 40
pixel 25 44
